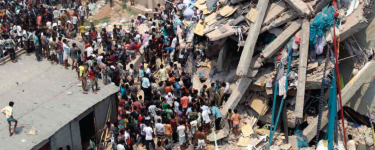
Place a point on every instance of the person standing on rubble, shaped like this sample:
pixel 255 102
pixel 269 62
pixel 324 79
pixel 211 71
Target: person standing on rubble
pixel 201 136
pixel 236 122
pixel 217 115
pixel 8 112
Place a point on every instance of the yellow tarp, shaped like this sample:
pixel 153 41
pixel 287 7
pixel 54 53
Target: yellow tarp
pixel 199 29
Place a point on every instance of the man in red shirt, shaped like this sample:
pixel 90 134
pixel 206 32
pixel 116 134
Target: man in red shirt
pixel 93 80
pixel 93 34
pixel 184 101
pixel 138 105
pixel 173 123
pixel 129 49
pixel 59 50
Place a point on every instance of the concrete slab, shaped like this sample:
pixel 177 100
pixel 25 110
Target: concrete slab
pixel 42 100
pixel 273 11
pixel 285 17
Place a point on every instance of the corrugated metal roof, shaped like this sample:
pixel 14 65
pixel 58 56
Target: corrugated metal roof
pixel 42 100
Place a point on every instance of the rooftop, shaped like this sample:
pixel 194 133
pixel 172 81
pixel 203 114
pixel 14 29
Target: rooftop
pixel 46 98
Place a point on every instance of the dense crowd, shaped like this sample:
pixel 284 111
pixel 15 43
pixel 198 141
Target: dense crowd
pixel 170 110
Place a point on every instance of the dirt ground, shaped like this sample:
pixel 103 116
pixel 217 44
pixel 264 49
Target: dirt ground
pixel 106 11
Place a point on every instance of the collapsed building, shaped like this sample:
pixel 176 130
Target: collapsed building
pixel 257 45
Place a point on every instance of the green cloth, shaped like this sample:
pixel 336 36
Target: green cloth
pixel 165 105
pixel 92 144
pixel 169 113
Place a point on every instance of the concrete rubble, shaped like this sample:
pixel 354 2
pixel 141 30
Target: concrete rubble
pixel 248 46
pixel 248 39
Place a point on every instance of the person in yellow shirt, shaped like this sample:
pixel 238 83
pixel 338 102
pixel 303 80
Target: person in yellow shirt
pixel 162 73
pixel 82 76
pixel 82 30
pixel 8 112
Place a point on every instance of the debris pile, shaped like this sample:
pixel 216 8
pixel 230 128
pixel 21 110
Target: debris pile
pixel 288 44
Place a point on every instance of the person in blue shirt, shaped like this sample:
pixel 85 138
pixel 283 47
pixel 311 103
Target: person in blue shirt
pixel 38 47
pixel 216 114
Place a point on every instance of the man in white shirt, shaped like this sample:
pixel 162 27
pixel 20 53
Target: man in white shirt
pixel 226 93
pixel 74 22
pixel 81 10
pixel 160 130
pixel 206 120
pixel 149 136
pixel 66 55
pixel 89 50
pixel 8 112
pixel 181 134
pixel 19 33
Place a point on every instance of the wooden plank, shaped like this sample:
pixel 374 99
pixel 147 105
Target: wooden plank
pixel 248 50
pixel 347 92
pixel 272 48
pixel 301 7
pixel 304 51
pixel 236 95
pixel 289 15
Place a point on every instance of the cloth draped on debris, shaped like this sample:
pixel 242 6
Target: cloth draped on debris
pixel 322 22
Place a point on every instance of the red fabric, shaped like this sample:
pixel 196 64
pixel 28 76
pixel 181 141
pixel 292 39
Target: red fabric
pixel 140 118
pixel 93 34
pixel 91 74
pixel 128 47
pixel 184 101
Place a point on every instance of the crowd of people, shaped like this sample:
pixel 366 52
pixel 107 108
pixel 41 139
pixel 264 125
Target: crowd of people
pixel 170 110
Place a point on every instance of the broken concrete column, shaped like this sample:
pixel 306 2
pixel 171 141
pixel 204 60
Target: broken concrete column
pixel 236 95
pixel 272 48
pixel 248 50
pixel 301 7
pixel 285 17
pixel 304 51
pixel 222 57
pixel 347 92
pixel 274 10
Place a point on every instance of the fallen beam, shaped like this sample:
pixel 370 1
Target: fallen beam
pixel 285 17
pixel 273 11
pixel 236 95
pixel 355 22
pixel 347 92
pixel 304 51
pixel 301 7
pixel 248 50
pixel 272 48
